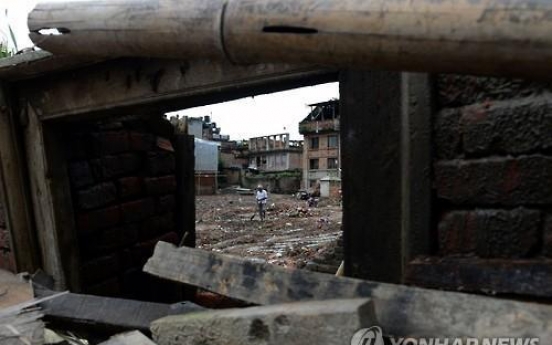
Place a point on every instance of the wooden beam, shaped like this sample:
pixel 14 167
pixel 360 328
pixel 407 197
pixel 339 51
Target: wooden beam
pixel 110 313
pixel 481 37
pixel 400 310
pixel 130 338
pixel 321 322
pixel 154 86
pixel 43 194
pixel 15 197
pixel 520 277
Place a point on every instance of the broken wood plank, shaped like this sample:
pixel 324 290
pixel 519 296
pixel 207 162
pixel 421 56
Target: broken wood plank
pixel 400 310
pixel 130 338
pixel 112 313
pixel 321 322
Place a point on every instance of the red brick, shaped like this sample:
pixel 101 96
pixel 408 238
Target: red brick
pixel 447 134
pixel 166 203
pixel 503 181
pixel 130 187
pixel 110 142
pixel 95 220
pixel 116 166
pixel 98 270
pixel 457 233
pixel 157 226
pixel 137 210
pixel 97 196
pixel 108 288
pixel 80 174
pixel 160 185
pixel 160 163
pixel 491 233
pixel 141 141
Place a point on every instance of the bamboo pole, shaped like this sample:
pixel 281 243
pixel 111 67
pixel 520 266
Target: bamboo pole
pixel 469 36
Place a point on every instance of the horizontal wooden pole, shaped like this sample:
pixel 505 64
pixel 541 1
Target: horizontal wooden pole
pixel 465 36
pixel 400 310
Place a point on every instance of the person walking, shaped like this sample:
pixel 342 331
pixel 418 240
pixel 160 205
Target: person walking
pixel 261 196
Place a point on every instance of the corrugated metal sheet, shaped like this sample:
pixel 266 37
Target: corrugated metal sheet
pixel 206 155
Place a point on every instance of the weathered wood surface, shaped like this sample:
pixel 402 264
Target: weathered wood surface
pixel 400 310
pixel 146 86
pixel 33 64
pixel 43 199
pixel 521 277
pixel 130 338
pixel 15 197
pixel 487 36
pixel 112 313
pixel 328 322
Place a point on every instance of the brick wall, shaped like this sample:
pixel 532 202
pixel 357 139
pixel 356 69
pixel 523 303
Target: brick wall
pixel 493 184
pixel 123 187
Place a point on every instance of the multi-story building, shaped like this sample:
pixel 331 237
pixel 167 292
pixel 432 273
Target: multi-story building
pixel 321 158
pixel 274 153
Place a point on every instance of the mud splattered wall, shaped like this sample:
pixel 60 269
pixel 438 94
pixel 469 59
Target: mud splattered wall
pixel 493 183
pixel 123 188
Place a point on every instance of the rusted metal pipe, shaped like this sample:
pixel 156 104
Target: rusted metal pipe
pixel 466 36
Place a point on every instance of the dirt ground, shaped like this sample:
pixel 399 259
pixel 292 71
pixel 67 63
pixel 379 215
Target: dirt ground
pixel 292 235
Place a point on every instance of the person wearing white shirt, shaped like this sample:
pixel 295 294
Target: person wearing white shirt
pixel 261 197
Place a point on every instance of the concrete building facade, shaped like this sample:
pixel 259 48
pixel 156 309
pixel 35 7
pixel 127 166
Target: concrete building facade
pixel 321 158
pixel 275 153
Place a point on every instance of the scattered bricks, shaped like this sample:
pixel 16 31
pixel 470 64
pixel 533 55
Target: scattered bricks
pixel 115 166
pixel 108 288
pixel 166 203
pixel 141 141
pixel 447 134
pixel 97 270
pixel 507 233
pixel 110 142
pixel 457 233
pixel 160 163
pixel 161 185
pixel 459 90
pixel 97 196
pixel 495 181
pixel 510 127
pixel 130 187
pixel 95 220
pixel 156 226
pixel 80 174
pixel 137 210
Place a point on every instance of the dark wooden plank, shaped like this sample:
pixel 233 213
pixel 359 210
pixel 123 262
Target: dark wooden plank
pixel 522 277
pixel 401 310
pixel 372 177
pixel 15 187
pixel 112 313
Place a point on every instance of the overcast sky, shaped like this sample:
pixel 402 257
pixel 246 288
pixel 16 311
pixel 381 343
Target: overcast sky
pixel 241 119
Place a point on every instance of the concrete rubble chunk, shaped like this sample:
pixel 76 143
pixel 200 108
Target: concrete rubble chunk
pixel 319 322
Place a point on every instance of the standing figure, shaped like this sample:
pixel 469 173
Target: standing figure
pixel 261 196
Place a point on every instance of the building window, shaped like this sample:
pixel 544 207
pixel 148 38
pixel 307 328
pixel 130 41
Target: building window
pixel 314 142
pixel 332 163
pixel 313 164
pixel 332 141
